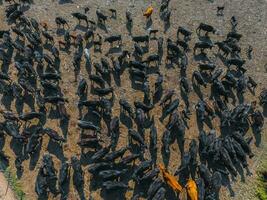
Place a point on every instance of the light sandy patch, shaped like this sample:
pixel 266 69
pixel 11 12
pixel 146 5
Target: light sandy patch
pixel 5 190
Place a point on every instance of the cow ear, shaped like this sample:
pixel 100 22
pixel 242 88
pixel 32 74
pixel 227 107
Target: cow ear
pixel 183 194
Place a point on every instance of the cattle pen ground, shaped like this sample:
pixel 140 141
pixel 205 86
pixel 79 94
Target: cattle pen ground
pixel 252 23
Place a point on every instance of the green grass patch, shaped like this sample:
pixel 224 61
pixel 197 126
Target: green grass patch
pixel 14 184
pixel 262 183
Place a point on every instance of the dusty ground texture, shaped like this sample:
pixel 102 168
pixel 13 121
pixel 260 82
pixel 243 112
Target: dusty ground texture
pixel 252 18
pixel 5 194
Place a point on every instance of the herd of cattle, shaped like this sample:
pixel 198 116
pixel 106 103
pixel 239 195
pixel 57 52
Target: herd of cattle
pixel 29 49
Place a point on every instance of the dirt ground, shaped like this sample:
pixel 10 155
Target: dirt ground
pixel 252 23
pixel 5 194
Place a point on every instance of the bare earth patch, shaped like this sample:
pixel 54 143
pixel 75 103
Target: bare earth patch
pixel 5 190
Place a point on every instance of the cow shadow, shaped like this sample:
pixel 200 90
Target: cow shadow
pixel 136 83
pixel 240 97
pixel 29 100
pixel 80 190
pixel 157 95
pixel 126 120
pixel 140 189
pixel 114 50
pixel 65 1
pixel 35 156
pixel 113 194
pixel 64 190
pixel 264 107
pixel 205 39
pixel 197 90
pixel 80 28
pixel 165 157
pixel 56 149
pixel 226 182
pixel 7 101
pixel 86 157
pixel 257 135
pixel 60 31
pixel 167 25
pixel 170 194
pixel 129 27
pixel 201 57
pixel 153 154
pixel 116 78
pixel 2 141
pixel 16 146
pixel 149 23
pixel 185 98
pixel 240 171
pixel 102 27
